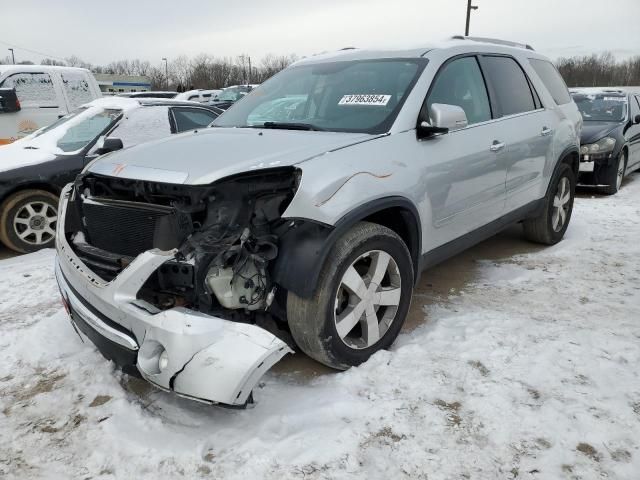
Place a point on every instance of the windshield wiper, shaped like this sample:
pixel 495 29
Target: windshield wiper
pixel 291 126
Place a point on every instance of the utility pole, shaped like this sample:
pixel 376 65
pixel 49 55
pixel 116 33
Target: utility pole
pixel 249 77
pixel 469 8
pixel 166 72
pixel 13 58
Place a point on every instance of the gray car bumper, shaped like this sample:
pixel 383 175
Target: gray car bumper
pixel 192 354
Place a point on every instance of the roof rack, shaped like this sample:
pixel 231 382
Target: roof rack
pixel 497 41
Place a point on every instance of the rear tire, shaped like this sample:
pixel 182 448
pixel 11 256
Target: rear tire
pixel 549 227
pixel 28 220
pixel 614 174
pixel 341 328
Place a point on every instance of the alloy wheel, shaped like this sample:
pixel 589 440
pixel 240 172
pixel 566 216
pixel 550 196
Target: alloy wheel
pixel 35 222
pixel 367 299
pixel 561 204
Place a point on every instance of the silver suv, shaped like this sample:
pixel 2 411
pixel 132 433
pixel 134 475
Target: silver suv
pixel 306 215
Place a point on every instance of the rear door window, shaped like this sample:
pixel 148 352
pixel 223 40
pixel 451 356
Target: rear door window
pixel 33 89
pixel 76 87
pixel 552 80
pixel 192 118
pixel 460 83
pixel 510 85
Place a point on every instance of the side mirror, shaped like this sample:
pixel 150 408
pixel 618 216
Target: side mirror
pixel 444 118
pixel 9 102
pixel 106 145
pixel 636 119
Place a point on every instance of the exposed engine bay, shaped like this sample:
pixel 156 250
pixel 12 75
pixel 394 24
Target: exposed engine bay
pixel 226 236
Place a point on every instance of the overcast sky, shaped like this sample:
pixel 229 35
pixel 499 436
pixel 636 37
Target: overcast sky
pixel 99 32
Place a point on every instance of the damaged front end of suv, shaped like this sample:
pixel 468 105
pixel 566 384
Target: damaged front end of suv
pixel 174 281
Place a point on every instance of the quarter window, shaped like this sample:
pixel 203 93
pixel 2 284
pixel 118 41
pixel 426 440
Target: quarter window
pixel 460 83
pixel 552 80
pixel 33 89
pixel 510 85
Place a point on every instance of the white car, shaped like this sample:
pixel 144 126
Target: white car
pixel 200 95
pixel 34 96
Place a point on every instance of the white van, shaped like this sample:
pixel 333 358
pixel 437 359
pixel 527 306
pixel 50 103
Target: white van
pixel 34 96
pixel 200 95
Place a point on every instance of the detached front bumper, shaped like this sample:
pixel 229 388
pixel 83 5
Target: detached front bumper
pixel 592 169
pixel 192 354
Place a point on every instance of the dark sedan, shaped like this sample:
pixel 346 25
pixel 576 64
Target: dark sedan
pixel 610 137
pixel 34 169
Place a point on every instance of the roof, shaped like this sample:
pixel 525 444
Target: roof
pixel 37 68
pixel 458 42
pixel 631 90
pixel 127 103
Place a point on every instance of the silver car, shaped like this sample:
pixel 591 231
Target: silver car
pixel 305 216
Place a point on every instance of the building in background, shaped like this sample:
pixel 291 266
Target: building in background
pixel 115 84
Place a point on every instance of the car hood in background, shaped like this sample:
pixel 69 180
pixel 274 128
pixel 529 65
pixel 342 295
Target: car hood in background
pixel 202 157
pixel 594 131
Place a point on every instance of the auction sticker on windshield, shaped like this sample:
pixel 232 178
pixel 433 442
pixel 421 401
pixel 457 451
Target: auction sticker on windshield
pixel 363 99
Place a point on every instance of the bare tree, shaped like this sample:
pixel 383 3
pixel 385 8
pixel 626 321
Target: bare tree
pixel 75 61
pixel 600 71
pixel 272 64
pixel 202 71
pixel 156 78
pixel 50 61
pixel 180 72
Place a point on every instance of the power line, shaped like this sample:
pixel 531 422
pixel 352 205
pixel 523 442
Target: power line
pixel 32 51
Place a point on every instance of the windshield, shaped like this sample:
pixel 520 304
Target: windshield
pixel 81 134
pixel 75 130
pixel 355 96
pixel 59 122
pixel 601 107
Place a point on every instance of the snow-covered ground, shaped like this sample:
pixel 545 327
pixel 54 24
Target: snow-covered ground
pixel 529 371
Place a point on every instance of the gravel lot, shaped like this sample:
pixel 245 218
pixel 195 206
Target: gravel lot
pixel 516 362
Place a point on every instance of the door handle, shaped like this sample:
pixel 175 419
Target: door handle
pixel 546 131
pixel 496 146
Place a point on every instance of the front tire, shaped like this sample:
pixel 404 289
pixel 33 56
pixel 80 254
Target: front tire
pixel 361 300
pixel 549 227
pixel 28 220
pixel 614 175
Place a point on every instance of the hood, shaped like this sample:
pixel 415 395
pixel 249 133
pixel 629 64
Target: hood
pixel 594 131
pixel 15 155
pixel 202 157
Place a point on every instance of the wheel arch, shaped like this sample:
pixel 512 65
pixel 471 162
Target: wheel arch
pixel 570 156
pixel 304 248
pixel 37 185
pixel 625 149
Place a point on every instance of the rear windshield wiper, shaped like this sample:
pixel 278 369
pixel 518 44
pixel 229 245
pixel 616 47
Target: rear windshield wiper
pixel 291 126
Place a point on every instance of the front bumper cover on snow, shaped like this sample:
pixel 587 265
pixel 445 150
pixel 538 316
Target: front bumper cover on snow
pixel 192 354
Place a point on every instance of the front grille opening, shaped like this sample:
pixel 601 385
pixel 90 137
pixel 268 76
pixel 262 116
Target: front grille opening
pixel 126 228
